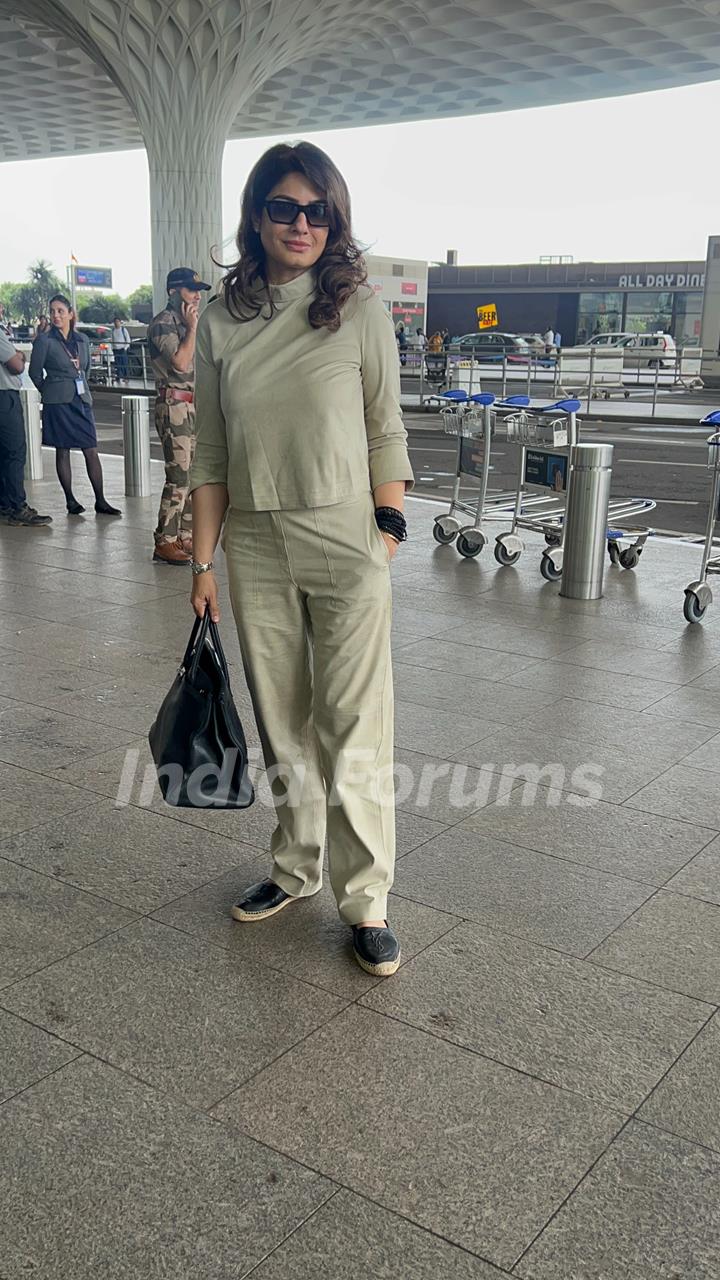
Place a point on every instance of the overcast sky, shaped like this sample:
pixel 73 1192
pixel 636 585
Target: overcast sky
pixel 629 179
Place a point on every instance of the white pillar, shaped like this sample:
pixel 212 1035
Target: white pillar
pixel 710 327
pixel 185 204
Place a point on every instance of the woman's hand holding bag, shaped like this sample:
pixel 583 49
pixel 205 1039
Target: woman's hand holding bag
pixel 197 740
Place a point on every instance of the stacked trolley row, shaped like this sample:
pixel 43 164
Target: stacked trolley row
pixel 472 421
pixel 698 594
pixel 547 436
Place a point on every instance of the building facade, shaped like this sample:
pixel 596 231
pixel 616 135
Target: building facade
pixel 402 283
pixel 575 299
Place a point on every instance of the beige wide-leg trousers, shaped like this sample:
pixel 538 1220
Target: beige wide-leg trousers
pixel 310 591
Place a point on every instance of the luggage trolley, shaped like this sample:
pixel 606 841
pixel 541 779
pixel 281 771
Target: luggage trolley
pixel 547 436
pixel 698 594
pixel 470 419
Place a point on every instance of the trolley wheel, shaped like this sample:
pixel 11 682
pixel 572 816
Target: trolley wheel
pixel 630 557
pixel 505 557
pixel 442 537
pixel 467 548
pixel 552 539
pixel 694 611
pixel 613 551
pixel 549 570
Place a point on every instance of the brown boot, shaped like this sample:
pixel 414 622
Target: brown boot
pixel 170 553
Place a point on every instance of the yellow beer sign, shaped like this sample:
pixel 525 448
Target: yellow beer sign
pixel 487 316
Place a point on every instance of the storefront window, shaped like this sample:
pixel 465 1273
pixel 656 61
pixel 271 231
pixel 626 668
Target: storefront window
pixel 598 313
pixel 648 312
pixel 687 321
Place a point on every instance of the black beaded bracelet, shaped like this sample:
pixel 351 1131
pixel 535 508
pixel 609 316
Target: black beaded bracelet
pixel 390 520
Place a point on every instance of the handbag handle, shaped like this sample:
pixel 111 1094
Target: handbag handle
pixel 198 638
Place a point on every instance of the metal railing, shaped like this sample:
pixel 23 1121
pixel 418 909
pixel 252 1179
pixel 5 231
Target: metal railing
pixel 591 373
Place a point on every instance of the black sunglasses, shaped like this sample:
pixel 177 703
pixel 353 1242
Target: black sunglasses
pixel 286 211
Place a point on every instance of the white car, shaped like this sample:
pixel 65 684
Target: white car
pixel 640 350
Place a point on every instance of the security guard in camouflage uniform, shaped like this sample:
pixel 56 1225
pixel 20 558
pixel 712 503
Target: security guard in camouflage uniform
pixel 171 344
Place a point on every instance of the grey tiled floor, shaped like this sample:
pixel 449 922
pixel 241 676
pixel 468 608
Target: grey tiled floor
pixel 535 1094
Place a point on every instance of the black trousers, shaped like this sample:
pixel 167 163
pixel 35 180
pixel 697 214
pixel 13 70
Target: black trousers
pixel 12 452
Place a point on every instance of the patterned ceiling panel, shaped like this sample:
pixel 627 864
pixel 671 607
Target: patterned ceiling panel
pixel 97 75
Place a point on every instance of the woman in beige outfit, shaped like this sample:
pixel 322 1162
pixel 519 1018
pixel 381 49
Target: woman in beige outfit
pixel 302 451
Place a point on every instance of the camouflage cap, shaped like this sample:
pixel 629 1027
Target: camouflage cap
pixel 185 278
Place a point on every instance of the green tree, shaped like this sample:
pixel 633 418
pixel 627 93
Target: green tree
pixel 25 303
pixel 100 308
pixel 140 297
pixel 45 282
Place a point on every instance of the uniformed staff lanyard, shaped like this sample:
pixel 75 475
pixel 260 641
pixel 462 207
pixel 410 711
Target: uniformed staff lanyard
pixel 79 381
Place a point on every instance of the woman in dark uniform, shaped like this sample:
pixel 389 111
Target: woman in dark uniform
pixel 59 367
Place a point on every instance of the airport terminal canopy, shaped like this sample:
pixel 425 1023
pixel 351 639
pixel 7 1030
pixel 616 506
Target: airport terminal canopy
pixel 182 76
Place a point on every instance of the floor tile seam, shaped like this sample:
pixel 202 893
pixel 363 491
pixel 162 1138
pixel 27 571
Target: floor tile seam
pixel 174 816
pixel 419 845
pixel 178 1096
pixel 613 1107
pixel 658 986
pixel 67 955
pixel 573 1191
pixel 712 1016
pixel 83 719
pixel 659 890
pixel 534 658
pixel 666 883
pixel 690 724
pixel 453 1244
pixel 242 1084
pixel 81 804
pixel 490 768
pixel 472 675
pixel 672 685
pixel 257 963
pixel 94 893
pixel 67 884
pixel 470 813
pixel 563 954
pixel 62 711
pixel 638 1120
pixel 47 1075
pixel 361 1195
pixel 502 935
pixel 651 897
pixel 679 1137
pixel 658 778
pixel 510 724
pixel 153 596
pixel 557 857
pixel 245 1275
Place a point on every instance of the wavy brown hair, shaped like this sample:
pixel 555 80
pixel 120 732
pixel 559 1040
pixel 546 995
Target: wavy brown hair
pixel 340 270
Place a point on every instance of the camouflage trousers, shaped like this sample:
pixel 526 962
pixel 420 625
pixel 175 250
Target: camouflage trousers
pixel 175 425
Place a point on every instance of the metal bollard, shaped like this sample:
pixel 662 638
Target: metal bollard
pixel 586 522
pixel 30 401
pixel 136 445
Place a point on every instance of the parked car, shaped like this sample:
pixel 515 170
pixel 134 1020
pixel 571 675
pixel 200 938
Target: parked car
pixel 493 346
pixel 640 350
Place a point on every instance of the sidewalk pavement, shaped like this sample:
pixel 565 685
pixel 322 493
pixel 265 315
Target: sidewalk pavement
pixel 534 1094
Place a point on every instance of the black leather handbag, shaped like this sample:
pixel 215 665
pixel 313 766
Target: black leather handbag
pixel 197 740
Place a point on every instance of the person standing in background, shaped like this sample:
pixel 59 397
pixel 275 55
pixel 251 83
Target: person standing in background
pixel 59 367
pixel 5 327
pixel 14 508
pixel 120 340
pixel 171 344
pixel 549 340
